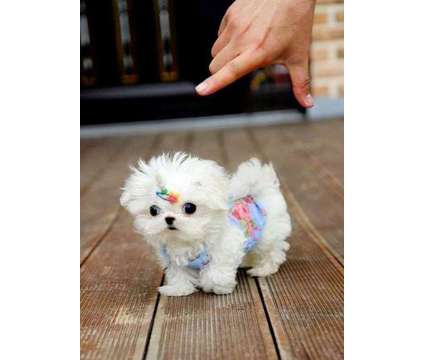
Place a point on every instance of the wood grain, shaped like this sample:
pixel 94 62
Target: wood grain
pixel 206 326
pixel 294 314
pixel 319 198
pixel 100 203
pixel 305 298
pixel 119 280
pixel 323 143
pixel 118 295
pixel 96 158
pixel 86 144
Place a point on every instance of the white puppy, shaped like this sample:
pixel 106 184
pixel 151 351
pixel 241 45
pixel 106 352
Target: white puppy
pixel 204 224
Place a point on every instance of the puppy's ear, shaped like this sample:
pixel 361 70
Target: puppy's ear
pixel 125 197
pixel 216 189
pixel 128 189
pixel 218 203
pixel 136 187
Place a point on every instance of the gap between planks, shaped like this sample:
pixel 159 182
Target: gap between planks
pixel 320 240
pixel 95 160
pixel 100 203
pixel 293 338
pixel 131 340
pixel 257 286
pixel 206 332
pixel 297 209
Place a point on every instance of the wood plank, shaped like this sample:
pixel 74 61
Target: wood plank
pixel 119 283
pixel 118 295
pixel 314 159
pixel 207 145
pixel 309 147
pixel 100 203
pixel 319 198
pixel 238 148
pixel 335 128
pixel 304 300
pixel 322 141
pixel 208 326
pixel 86 144
pixel 96 157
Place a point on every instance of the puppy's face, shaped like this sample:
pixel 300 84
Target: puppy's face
pixel 176 198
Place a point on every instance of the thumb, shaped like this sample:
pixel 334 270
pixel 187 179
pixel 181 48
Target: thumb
pixel 301 82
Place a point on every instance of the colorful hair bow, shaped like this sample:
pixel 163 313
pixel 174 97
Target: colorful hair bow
pixel 167 195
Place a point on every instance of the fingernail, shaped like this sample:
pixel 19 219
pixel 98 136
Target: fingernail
pixel 309 100
pixel 202 88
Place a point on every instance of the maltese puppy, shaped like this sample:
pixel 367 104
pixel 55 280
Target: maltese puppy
pixel 204 224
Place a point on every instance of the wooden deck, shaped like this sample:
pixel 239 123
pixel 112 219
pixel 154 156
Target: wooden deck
pixel 295 314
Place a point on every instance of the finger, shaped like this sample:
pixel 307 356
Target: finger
pixel 223 24
pixel 233 70
pixel 227 54
pixel 222 41
pixel 299 75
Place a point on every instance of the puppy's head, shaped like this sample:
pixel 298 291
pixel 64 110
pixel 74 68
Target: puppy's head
pixel 176 197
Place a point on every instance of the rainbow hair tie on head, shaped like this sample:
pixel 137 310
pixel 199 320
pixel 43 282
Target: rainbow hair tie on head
pixel 167 195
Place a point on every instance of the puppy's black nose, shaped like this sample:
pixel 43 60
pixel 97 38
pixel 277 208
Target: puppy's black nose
pixel 169 220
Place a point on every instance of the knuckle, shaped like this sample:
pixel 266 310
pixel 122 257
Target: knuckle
pixel 223 24
pixel 306 83
pixel 263 53
pixel 257 44
pixel 303 84
pixel 233 68
pixel 232 24
pixel 263 56
pixel 258 41
pixel 212 68
pixel 217 46
pixel 230 13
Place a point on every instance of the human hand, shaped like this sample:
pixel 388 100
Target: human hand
pixel 256 33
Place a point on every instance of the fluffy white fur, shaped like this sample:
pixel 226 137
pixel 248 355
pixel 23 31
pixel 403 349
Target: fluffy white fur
pixel 207 185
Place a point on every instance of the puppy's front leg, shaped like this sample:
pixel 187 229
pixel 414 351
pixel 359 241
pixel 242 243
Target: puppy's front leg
pixel 219 276
pixel 217 279
pixel 177 282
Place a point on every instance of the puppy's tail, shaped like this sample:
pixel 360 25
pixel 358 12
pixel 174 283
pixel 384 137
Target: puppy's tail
pixel 255 179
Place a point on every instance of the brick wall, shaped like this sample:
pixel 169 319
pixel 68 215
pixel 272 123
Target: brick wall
pixel 327 51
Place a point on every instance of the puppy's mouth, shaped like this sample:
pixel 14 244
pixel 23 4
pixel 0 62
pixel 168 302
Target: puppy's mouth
pixel 172 228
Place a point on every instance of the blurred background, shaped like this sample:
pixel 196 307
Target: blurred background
pixel 141 59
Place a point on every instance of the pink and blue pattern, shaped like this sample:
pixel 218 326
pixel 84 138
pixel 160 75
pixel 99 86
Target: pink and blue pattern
pixel 251 218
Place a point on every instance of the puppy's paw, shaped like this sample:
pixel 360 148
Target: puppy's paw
pixel 217 282
pixel 222 289
pixel 263 270
pixel 219 289
pixel 177 290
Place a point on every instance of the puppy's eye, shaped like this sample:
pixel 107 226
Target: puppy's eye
pixel 154 210
pixel 189 208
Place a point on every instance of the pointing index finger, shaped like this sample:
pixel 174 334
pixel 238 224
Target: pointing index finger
pixel 233 70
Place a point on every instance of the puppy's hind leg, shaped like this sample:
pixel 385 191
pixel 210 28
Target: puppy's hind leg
pixel 267 263
pixel 268 256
